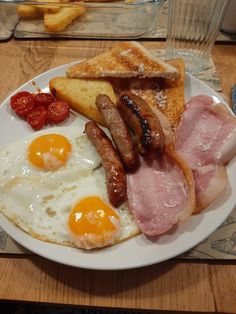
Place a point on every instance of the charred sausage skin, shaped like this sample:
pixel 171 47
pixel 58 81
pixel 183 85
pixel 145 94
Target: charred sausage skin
pixel 145 125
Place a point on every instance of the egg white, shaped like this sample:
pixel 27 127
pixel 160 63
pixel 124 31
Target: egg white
pixel 83 158
pixel 40 201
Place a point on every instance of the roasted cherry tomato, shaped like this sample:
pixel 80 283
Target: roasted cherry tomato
pixel 43 99
pixel 22 103
pixel 58 111
pixel 37 117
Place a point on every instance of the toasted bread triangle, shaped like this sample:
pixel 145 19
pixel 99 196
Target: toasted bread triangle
pixel 124 60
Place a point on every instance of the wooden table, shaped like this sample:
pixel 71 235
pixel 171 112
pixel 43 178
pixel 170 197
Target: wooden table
pixel 199 286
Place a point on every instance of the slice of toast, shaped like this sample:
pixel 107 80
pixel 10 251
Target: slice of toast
pixel 81 94
pixel 174 91
pixel 164 94
pixel 127 59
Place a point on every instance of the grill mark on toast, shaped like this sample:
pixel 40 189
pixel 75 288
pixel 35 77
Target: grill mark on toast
pixel 124 61
pixel 132 60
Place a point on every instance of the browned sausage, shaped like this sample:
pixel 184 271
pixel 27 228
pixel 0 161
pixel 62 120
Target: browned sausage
pixel 119 131
pixel 143 122
pixel 115 174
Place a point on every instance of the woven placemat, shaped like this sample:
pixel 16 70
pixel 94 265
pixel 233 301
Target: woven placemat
pixel 219 245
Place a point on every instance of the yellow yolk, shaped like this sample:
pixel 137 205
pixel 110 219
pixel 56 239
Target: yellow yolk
pixel 49 152
pixel 94 222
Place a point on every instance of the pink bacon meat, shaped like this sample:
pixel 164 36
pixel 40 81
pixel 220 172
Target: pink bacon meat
pixel 161 193
pixel 206 140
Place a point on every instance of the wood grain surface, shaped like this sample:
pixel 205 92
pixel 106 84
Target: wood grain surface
pixel 204 286
pixel 167 286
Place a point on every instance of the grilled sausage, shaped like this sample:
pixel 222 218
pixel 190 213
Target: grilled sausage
pixel 119 131
pixel 143 122
pixel 115 174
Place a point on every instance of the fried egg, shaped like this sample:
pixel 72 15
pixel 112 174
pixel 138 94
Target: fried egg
pixel 60 150
pixel 52 185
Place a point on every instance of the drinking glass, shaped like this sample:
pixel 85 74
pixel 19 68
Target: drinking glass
pixel 192 29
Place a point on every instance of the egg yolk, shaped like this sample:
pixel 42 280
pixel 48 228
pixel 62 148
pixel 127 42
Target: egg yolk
pixel 94 222
pixel 49 152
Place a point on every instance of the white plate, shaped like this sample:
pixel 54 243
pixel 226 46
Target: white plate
pixel 138 251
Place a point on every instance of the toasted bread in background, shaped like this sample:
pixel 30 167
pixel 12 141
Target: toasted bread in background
pixel 57 15
pixel 127 59
pixel 48 8
pixel 56 22
pixel 28 11
pixel 164 94
pixel 36 11
pixel 81 94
